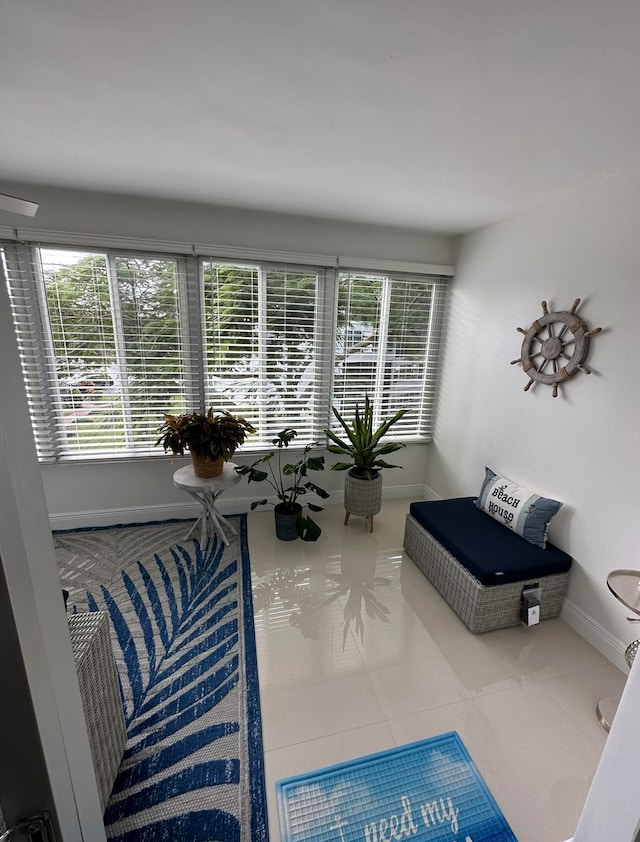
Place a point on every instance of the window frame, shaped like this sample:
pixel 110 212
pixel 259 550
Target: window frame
pixel 324 340
pixel 433 335
pixel 39 373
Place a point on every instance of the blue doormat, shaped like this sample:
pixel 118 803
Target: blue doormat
pixel 429 790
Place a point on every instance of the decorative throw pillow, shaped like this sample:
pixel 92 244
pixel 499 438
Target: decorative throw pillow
pixel 518 508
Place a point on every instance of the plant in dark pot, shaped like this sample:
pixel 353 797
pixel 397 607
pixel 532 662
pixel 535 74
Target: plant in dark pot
pixel 290 482
pixel 363 446
pixel 211 439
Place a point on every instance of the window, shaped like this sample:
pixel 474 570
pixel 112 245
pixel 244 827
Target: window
pixel 263 336
pixel 103 357
pixel 110 340
pixel 388 334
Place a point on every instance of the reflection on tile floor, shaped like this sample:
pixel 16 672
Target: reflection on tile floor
pixel 358 653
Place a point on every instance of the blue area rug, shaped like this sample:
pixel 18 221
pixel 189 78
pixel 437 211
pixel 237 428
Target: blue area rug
pixel 183 639
pixel 430 790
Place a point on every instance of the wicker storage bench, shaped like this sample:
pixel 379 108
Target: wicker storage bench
pixel 100 692
pixel 479 566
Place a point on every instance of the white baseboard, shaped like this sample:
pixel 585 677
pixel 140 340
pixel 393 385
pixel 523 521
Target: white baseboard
pixel 393 492
pixel 190 509
pixel 600 638
pixel 429 493
pixel 138 514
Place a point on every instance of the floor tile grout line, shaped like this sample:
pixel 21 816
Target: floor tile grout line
pixel 334 734
pixel 575 721
pixel 555 657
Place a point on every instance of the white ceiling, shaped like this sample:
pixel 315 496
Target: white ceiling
pixel 438 114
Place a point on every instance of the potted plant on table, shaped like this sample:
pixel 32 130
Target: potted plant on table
pixel 363 483
pixel 211 439
pixel 289 482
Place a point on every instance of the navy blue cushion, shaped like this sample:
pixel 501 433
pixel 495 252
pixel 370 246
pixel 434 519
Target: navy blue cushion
pixel 493 554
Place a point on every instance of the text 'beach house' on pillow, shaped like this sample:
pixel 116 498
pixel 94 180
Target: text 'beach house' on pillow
pixel 523 511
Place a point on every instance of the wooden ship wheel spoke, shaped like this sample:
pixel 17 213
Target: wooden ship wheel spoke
pixel 555 347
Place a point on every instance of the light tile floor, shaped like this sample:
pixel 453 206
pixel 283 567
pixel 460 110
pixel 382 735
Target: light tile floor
pixel 358 653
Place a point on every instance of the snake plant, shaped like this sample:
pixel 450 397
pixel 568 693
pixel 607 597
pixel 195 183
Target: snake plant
pixel 362 442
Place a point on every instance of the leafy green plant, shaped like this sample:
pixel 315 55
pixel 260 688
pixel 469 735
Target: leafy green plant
pixel 362 442
pixel 289 481
pixel 208 435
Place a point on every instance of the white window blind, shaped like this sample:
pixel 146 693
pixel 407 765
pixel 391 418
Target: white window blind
pixel 102 347
pixel 388 336
pixel 264 335
pixel 111 339
pixel 32 335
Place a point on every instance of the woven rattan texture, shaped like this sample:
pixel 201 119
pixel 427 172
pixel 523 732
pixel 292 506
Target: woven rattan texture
pixel 100 694
pixel 481 608
pixel 363 496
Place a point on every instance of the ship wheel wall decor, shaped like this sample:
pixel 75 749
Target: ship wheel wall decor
pixel 555 347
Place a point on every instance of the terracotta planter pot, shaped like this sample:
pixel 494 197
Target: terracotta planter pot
pixel 286 529
pixel 205 467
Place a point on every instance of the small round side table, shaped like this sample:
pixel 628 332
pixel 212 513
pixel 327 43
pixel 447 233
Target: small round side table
pixel 623 584
pixel 206 491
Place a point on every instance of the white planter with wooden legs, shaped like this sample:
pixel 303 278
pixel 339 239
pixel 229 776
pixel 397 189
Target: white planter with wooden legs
pixel 362 496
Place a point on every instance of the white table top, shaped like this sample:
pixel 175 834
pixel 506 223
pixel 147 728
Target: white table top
pixel 185 479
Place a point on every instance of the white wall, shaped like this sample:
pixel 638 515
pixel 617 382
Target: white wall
pixel 93 213
pixel 83 494
pixel 94 494
pixel 612 809
pixel 31 584
pixel 584 446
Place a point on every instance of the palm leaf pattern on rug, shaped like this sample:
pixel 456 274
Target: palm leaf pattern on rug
pixel 176 621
